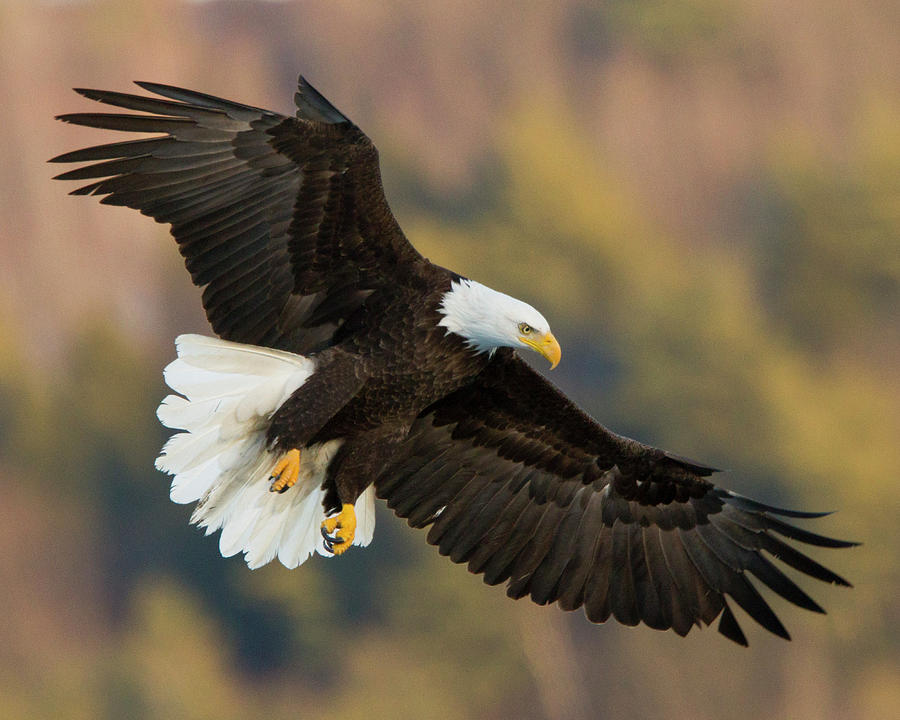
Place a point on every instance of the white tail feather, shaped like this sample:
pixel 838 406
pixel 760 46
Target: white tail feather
pixel 230 392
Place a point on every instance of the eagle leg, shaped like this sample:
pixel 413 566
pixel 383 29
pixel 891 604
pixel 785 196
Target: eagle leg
pixel 345 521
pixel 285 473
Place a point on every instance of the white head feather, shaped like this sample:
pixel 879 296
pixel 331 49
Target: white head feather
pixel 488 319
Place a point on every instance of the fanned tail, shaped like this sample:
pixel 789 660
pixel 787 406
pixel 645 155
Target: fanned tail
pixel 228 393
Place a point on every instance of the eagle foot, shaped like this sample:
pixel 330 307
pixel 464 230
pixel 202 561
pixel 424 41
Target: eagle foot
pixel 345 521
pixel 285 473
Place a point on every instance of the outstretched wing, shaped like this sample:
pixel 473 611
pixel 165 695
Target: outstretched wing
pixel 523 486
pixel 283 220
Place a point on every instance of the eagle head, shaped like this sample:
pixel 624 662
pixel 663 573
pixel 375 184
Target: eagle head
pixel 488 320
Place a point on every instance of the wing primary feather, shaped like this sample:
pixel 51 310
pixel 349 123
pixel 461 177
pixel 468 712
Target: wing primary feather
pixel 799 561
pixel 703 602
pixel 757 521
pixel 146 104
pixel 104 169
pixel 760 540
pixel 725 580
pixel 234 109
pixel 125 148
pixel 138 123
pixel 729 627
pixel 141 191
pixel 221 169
pixel 739 559
pixel 745 503
pixel 810 538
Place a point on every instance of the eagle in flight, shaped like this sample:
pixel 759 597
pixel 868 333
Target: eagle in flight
pixel 347 366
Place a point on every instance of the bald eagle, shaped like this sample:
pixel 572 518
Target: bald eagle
pixel 347 366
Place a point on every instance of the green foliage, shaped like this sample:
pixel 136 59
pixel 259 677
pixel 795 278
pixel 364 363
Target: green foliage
pixel 673 30
pixel 830 264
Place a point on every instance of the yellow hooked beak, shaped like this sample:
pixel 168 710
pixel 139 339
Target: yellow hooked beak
pixel 546 345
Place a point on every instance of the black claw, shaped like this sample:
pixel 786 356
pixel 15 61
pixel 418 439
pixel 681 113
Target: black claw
pixel 330 540
pixel 284 489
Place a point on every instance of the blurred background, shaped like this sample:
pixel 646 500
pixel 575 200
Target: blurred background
pixel 702 195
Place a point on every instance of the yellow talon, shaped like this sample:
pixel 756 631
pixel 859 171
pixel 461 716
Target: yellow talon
pixel 285 473
pixel 346 523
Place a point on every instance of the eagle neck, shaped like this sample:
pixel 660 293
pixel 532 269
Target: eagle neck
pixel 468 309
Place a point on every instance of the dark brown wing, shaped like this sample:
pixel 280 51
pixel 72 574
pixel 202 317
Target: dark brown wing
pixel 283 220
pixel 520 484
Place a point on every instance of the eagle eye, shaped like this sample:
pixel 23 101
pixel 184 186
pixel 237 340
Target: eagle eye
pixel 525 328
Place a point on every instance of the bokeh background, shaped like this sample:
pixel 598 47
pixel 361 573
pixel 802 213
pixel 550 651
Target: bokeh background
pixel 702 195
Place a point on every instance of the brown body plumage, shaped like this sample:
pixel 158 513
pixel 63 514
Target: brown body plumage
pixel 375 381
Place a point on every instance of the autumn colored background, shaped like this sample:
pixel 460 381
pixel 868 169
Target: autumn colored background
pixel 702 195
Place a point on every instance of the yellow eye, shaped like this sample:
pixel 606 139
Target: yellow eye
pixel 525 328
